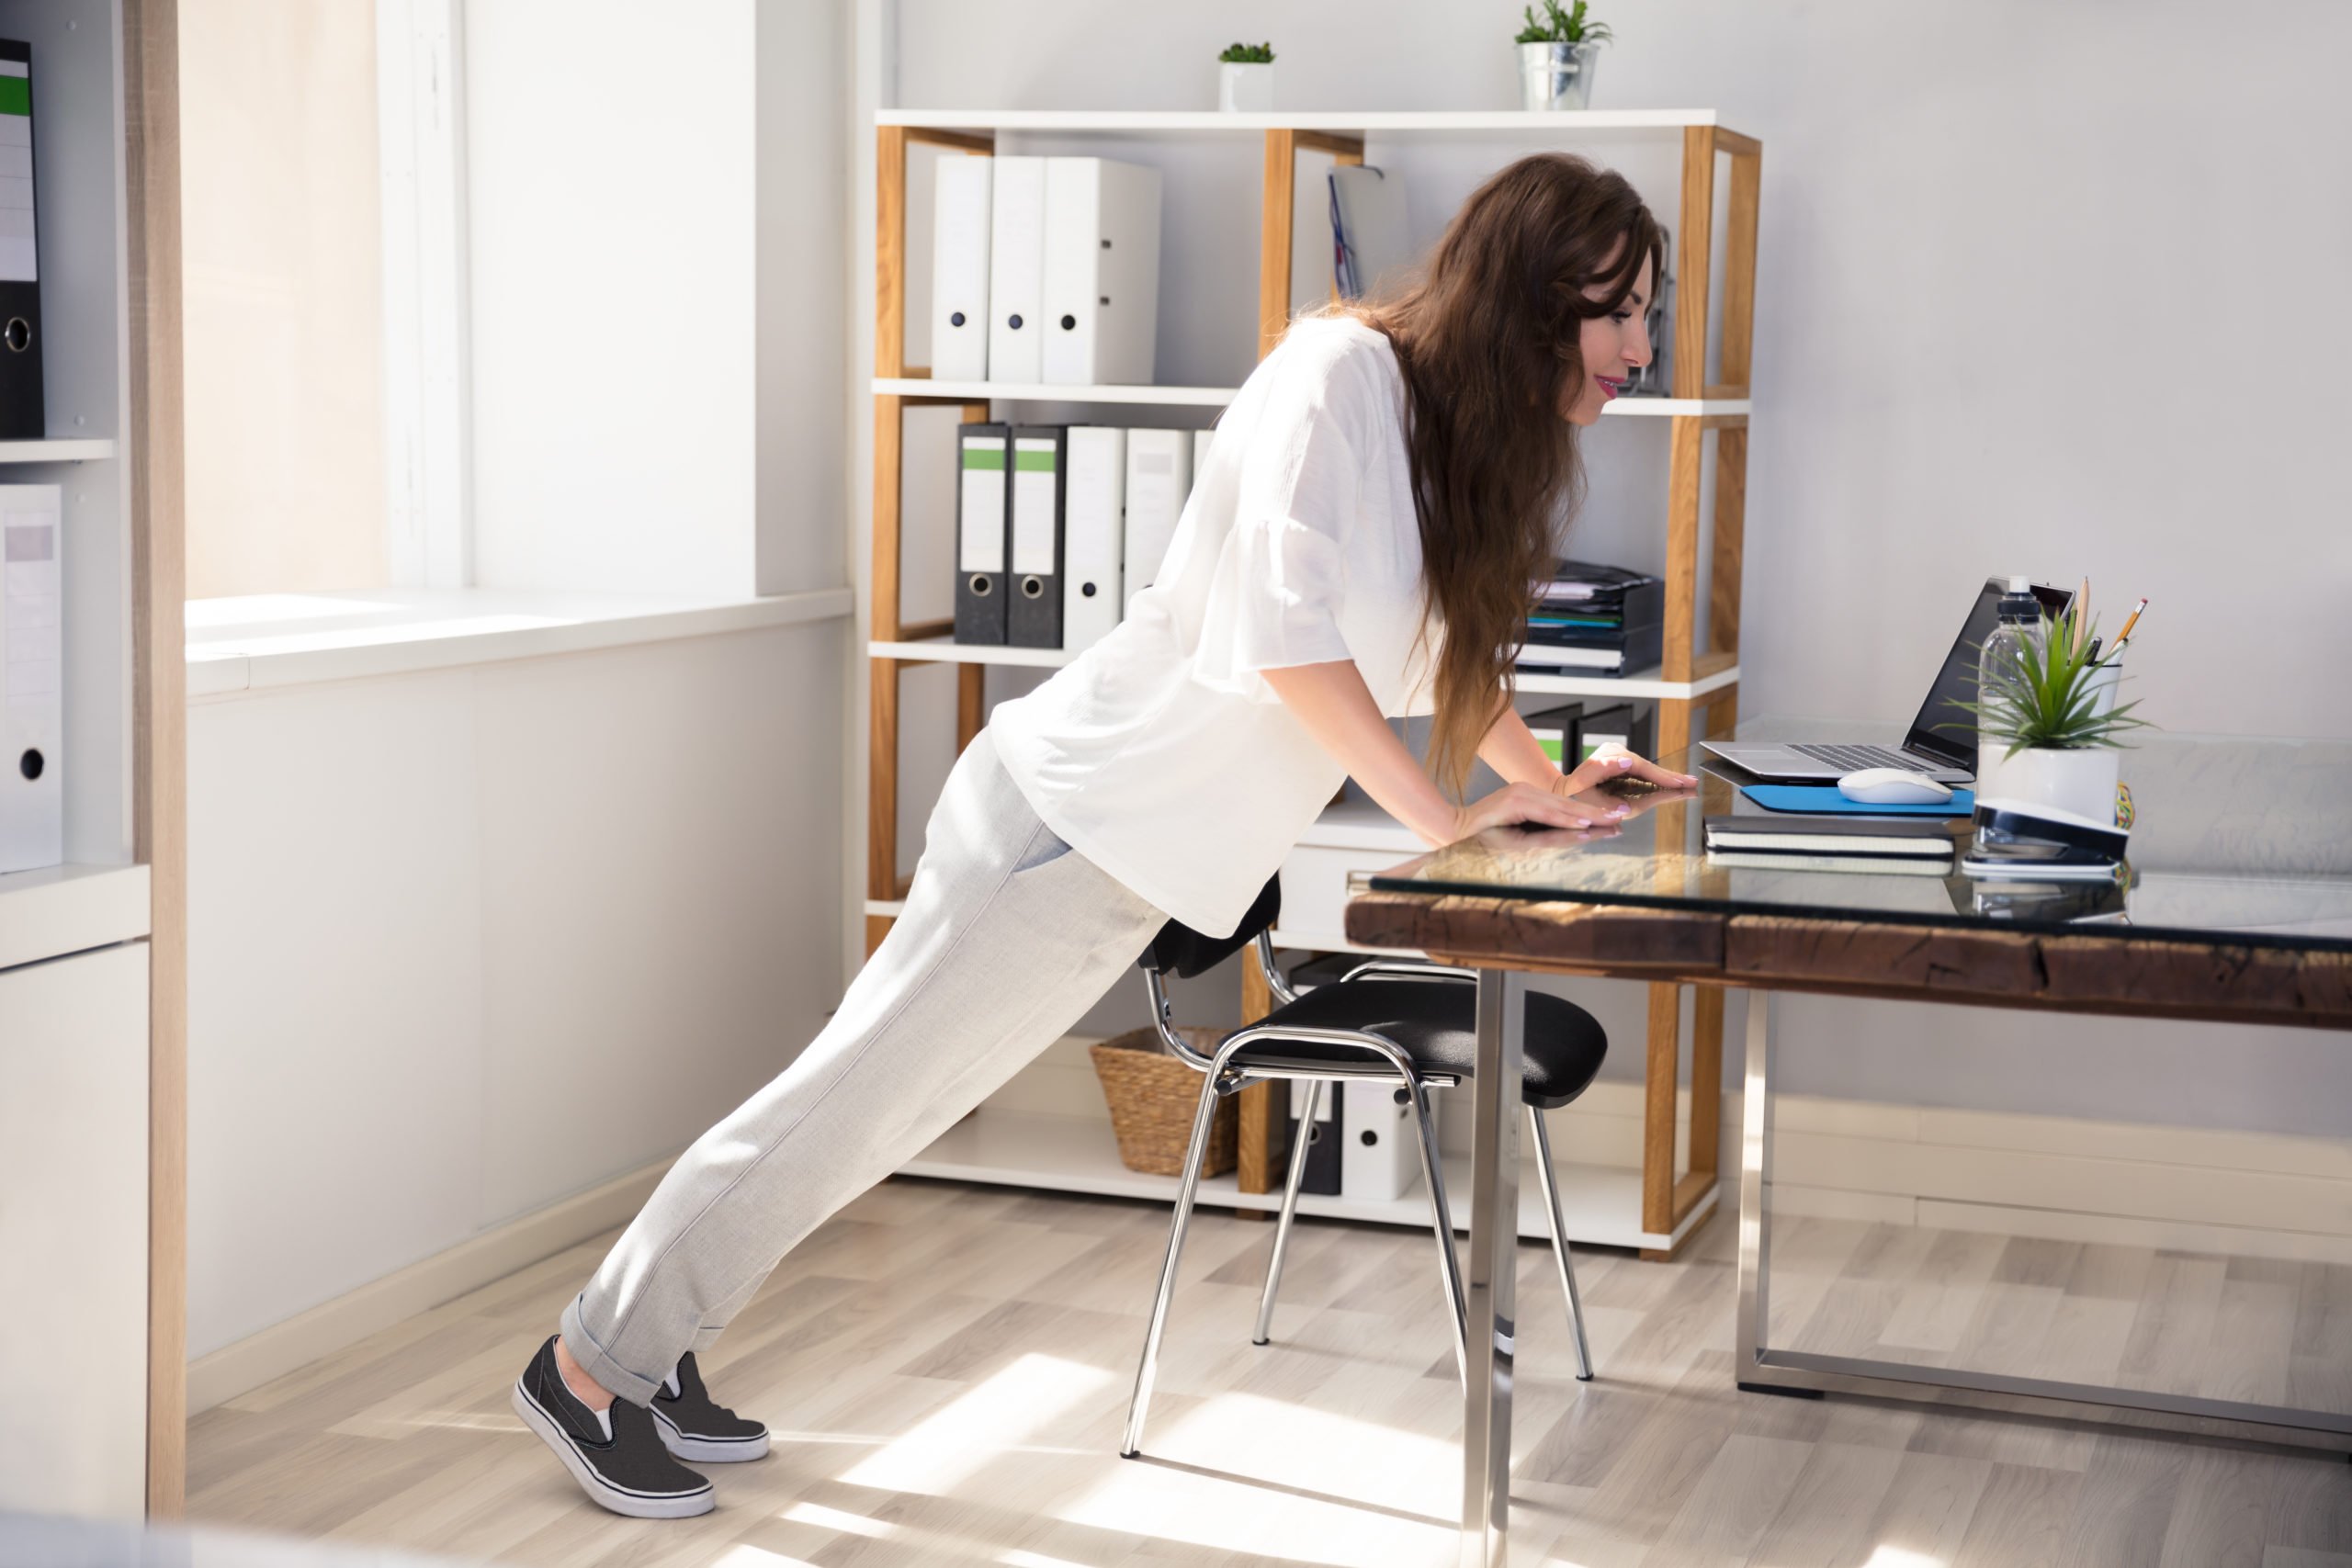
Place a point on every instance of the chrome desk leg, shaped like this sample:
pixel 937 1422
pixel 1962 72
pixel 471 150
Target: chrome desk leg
pixel 1140 1404
pixel 1754 1174
pixel 1494 1246
pixel 1290 1211
pixel 1560 1241
pixel 1449 1268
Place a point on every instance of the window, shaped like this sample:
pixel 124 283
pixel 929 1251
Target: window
pixel 282 255
pixel 322 236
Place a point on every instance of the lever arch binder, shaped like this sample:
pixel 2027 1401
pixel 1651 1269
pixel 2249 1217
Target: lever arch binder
pixel 21 414
pixel 1094 489
pixel 1034 608
pixel 1016 270
pixel 959 269
pixel 32 703
pixel 982 522
pixel 1160 476
pixel 1102 272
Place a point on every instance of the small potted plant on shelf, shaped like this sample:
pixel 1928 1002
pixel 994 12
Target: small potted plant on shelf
pixel 1555 57
pixel 2049 714
pixel 1244 78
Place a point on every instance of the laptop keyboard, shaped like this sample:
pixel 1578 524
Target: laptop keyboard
pixel 1853 759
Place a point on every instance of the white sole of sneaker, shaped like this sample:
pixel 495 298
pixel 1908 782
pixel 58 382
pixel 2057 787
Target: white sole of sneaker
pixel 603 1493
pixel 708 1451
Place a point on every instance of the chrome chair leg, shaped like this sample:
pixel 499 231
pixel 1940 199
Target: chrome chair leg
pixel 1560 1242
pixel 1193 1156
pixel 1441 1220
pixel 1289 1212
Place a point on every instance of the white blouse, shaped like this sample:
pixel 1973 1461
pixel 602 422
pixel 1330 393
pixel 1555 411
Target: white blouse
pixel 1160 753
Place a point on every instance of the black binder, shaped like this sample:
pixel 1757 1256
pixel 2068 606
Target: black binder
pixel 983 530
pixel 22 417
pixel 1039 504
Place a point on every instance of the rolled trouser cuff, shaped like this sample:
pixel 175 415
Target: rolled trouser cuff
pixel 615 1379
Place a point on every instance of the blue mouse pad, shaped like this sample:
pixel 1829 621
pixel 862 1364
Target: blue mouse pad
pixel 1825 799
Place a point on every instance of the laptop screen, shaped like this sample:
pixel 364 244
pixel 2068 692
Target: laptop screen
pixel 1945 729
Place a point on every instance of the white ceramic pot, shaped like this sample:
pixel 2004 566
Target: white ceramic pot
pixel 1245 89
pixel 1556 75
pixel 2078 780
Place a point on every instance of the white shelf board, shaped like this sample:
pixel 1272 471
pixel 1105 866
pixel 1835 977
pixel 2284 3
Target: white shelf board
pixel 70 908
pixel 1545 123
pixel 1217 397
pixel 71 449
pixel 1042 392
pixel 1079 1154
pixel 890 908
pixel 1644 684
pixel 941 650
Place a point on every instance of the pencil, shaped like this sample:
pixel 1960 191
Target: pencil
pixel 2129 622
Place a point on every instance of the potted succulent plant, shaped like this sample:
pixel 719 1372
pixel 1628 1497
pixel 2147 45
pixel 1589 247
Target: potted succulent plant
pixel 1244 78
pixel 1555 57
pixel 2052 718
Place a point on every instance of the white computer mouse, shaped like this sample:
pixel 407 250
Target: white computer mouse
pixel 1891 786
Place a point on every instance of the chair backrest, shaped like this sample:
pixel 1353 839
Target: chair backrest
pixel 1185 953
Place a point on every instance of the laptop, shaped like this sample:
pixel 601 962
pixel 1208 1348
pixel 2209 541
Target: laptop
pixel 1942 741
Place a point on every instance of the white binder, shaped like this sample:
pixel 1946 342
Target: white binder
pixel 1379 1152
pixel 1102 272
pixel 959 269
pixel 1016 270
pixel 1160 475
pixel 1094 534
pixel 32 678
pixel 1201 443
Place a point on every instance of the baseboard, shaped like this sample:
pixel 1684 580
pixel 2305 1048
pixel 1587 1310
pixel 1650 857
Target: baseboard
pixel 332 1325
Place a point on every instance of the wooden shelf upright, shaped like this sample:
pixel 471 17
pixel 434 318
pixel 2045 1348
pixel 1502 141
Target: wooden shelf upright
pixel 1696 687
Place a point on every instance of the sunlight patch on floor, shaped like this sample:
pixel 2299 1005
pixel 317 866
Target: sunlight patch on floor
pixel 975 1427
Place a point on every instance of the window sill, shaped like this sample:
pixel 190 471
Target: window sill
pixel 263 642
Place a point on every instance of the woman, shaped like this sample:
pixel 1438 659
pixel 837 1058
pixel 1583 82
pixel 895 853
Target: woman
pixel 1384 489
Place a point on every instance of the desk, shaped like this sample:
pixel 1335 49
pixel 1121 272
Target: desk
pixel 2239 909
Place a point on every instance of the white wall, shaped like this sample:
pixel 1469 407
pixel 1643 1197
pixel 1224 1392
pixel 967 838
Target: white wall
pixel 463 943
pixel 2049 287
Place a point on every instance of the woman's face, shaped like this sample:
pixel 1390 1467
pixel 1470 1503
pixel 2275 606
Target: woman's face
pixel 1613 346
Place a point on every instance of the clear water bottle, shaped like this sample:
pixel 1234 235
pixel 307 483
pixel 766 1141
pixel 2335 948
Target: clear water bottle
pixel 1997 664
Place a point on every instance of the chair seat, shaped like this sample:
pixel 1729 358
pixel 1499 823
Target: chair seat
pixel 1434 1022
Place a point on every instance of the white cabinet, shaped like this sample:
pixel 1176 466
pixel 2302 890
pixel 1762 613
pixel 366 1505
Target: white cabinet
pixel 74 1235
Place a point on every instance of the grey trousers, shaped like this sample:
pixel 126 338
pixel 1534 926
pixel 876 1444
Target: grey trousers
pixel 1008 937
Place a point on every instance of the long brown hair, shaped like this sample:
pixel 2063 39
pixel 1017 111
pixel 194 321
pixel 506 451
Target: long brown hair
pixel 1488 340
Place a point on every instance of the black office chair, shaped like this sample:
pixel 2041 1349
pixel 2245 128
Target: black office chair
pixel 1387 1020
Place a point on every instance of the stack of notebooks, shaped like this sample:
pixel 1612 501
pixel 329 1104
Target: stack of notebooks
pixel 1059 527
pixel 1595 620
pixel 1903 846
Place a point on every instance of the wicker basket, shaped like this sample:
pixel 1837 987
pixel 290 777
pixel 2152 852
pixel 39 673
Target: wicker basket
pixel 1153 1099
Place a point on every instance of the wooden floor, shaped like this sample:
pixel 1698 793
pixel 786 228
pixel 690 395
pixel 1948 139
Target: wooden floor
pixel 946 1369
pixel 2249 1329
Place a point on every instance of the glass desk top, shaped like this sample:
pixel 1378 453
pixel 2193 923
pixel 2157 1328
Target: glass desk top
pixel 2235 839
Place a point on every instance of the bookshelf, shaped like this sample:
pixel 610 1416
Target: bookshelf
pixel 1695 688
pixel 93 951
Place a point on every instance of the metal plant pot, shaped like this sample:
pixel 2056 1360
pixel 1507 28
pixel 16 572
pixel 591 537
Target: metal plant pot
pixel 1556 75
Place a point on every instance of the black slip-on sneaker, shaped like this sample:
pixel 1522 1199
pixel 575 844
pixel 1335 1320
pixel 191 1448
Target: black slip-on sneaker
pixel 618 1459
pixel 692 1426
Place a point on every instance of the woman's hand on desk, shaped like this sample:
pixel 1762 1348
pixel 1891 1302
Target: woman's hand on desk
pixel 1520 802
pixel 1609 762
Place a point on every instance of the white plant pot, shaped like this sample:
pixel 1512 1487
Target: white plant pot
pixel 1556 75
pixel 2080 781
pixel 1245 89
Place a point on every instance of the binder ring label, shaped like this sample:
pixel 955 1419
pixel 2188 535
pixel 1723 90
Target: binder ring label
pixel 981 586
pixel 1032 588
pixel 17 334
